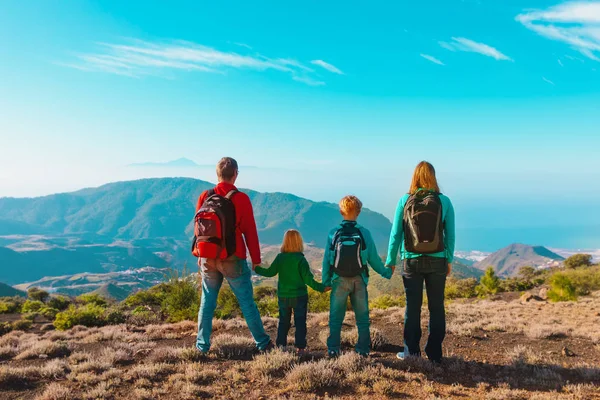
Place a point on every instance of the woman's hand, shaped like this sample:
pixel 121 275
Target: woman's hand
pixel 449 269
pixel 327 289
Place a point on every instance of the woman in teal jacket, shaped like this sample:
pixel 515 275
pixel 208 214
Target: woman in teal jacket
pixel 419 266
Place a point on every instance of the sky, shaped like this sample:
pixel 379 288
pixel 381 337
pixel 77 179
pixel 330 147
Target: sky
pixel 319 99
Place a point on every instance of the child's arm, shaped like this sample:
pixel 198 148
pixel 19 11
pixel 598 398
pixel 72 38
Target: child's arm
pixel 268 272
pixel 397 235
pixel 308 277
pixel 373 258
pixel 326 268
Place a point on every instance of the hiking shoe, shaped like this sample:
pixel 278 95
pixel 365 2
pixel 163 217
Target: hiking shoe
pixel 300 352
pixel 270 346
pixel 333 354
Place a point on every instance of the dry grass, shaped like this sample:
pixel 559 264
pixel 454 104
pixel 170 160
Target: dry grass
pixel 43 349
pixel 231 346
pixel 350 337
pixel 7 352
pixel 19 377
pixel 151 372
pixel 55 391
pixel 272 364
pixel 522 355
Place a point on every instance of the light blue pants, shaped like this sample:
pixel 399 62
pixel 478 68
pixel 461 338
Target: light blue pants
pixel 237 273
pixel 356 289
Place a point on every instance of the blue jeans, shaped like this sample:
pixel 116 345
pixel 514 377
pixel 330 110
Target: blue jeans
pixel 237 273
pixel 299 306
pixel 432 272
pixel 356 288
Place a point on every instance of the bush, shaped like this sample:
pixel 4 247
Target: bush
pixel 86 315
pixel 21 325
pixel 141 316
pixel 578 260
pixel 317 301
pixel 11 305
pixel 227 304
pixel 114 316
pixel 182 300
pixel 5 327
pixel 527 273
pixel 268 307
pixel 151 297
pixel 585 280
pixel 561 288
pixel 386 301
pixel 490 283
pixel 37 294
pixel 515 285
pixel 31 306
pixel 460 288
pixel 94 299
pixel 49 312
pixel 61 303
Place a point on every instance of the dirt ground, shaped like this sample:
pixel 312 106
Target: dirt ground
pixel 501 349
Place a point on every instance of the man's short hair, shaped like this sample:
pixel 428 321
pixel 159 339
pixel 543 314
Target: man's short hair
pixel 350 206
pixel 227 167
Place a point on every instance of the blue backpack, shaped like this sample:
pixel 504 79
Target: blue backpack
pixel 347 247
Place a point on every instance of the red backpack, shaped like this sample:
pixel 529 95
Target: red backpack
pixel 215 226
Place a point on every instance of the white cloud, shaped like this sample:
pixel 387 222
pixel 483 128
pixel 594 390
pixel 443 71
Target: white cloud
pixel 139 58
pixel 560 63
pixel 309 81
pixel 547 80
pixel 574 23
pixel 327 66
pixel 468 45
pixel 432 59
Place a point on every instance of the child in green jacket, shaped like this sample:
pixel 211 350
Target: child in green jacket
pixel 294 275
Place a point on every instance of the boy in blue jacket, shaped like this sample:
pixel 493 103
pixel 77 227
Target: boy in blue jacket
pixel 350 249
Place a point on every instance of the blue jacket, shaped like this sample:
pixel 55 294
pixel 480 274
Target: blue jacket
pixel 369 256
pixel 397 235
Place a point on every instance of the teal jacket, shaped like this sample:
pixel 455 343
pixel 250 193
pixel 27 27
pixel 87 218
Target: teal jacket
pixel 369 256
pixel 397 236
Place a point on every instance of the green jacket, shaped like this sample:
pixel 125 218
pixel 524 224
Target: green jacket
pixel 294 275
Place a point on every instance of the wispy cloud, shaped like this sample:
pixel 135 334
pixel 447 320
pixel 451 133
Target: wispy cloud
pixel 574 23
pixel 432 59
pixel 560 63
pixel 547 80
pixel 327 66
pixel 140 58
pixel 468 45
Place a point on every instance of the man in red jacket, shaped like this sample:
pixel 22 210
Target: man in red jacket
pixel 235 268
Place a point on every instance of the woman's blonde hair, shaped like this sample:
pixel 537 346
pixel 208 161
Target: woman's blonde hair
pixel 292 242
pixel 424 178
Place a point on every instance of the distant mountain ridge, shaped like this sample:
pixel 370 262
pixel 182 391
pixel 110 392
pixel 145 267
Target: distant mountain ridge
pixel 180 162
pixel 9 291
pixel 141 223
pixel 508 261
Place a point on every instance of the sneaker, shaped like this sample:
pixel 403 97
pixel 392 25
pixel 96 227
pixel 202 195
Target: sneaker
pixel 270 346
pixel 363 355
pixel 400 356
pixel 333 354
pixel 301 352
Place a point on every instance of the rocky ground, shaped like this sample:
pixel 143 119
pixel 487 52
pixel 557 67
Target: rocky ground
pixel 506 348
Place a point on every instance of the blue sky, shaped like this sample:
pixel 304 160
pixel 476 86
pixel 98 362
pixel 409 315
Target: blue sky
pixel 502 96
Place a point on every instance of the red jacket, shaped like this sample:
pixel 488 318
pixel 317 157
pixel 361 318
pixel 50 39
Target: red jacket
pixel 245 223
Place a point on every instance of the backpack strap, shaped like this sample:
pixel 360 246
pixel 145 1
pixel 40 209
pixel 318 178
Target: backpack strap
pixel 229 195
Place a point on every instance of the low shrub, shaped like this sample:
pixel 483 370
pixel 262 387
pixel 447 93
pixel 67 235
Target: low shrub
pixel 578 260
pixel 489 284
pixel 11 305
pixel 181 301
pixel 151 297
pixel 21 325
pixel 268 306
pixel 86 315
pixel 386 301
pixel 49 312
pixel 5 327
pixel 317 301
pixel 60 303
pixel 584 280
pixel 516 285
pixel 561 288
pixel 36 294
pixel 460 288
pixel 114 316
pixel 94 299
pixel 32 306
pixel 230 346
pixel 227 304
pixel 142 316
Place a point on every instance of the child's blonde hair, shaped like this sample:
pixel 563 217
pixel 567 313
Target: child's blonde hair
pixel 350 206
pixel 292 242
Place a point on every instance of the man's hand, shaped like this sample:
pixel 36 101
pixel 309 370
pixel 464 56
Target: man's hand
pixel 392 267
pixel 449 269
pixel 254 266
pixel 327 289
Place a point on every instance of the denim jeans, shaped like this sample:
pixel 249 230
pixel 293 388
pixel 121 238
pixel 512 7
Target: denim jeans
pixel 356 288
pixel 299 306
pixel 237 273
pixel 431 271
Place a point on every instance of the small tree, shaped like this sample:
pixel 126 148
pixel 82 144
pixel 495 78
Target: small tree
pixel 490 283
pixel 578 260
pixel 561 288
pixel 38 294
pixel 527 273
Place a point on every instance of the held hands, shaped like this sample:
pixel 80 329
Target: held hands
pixel 392 267
pixel 449 269
pixel 327 289
pixel 254 266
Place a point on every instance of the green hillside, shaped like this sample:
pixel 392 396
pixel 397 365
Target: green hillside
pixel 9 291
pixel 164 207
